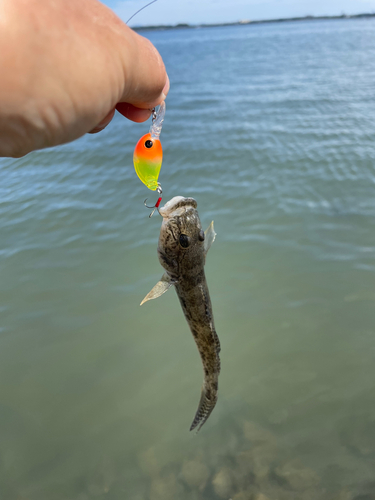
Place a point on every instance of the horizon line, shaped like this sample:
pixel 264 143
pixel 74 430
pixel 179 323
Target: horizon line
pixel 246 22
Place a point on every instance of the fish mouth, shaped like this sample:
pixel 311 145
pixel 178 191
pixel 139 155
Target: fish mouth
pixel 175 203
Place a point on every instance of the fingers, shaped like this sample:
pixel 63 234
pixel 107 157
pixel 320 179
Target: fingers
pixel 141 92
pixel 128 110
pixel 146 81
pixel 132 113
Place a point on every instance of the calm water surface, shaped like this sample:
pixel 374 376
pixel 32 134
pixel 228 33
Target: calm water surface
pixel 272 129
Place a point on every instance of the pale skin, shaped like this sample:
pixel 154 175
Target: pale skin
pixel 66 65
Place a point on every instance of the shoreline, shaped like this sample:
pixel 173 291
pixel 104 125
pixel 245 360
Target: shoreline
pixel 249 22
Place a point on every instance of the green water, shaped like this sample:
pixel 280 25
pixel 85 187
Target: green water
pixel 271 129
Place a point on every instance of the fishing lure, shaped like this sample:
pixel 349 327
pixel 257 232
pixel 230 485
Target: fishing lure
pixel 148 154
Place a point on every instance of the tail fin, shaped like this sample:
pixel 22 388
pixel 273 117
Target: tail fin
pixel 206 405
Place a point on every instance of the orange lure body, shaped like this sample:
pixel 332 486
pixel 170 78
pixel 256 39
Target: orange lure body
pixel 148 157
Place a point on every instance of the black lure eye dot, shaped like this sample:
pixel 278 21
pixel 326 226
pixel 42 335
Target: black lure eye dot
pixel 201 235
pixel 184 240
pixel 148 144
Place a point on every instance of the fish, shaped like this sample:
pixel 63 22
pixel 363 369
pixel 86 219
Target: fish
pixel 182 250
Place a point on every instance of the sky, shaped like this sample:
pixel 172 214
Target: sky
pixel 222 11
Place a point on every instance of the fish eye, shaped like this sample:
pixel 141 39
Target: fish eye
pixel 148 144
pixel 201 235
pixel 184 240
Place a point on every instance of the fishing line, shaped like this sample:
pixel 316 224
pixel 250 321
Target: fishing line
pixel 153 1
pixel 148 153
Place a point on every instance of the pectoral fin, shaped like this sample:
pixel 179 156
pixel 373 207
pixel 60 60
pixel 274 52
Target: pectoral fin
pixel 161 287
pixel 209 237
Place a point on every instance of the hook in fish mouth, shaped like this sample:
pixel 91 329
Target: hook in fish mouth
pixel 176 203
pixel 171 205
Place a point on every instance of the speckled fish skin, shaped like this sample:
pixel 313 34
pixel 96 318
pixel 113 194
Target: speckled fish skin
pixel 184 266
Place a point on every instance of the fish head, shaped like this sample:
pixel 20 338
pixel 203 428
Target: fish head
pixel 181 240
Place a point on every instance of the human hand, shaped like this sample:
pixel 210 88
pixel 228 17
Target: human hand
pixel 66 65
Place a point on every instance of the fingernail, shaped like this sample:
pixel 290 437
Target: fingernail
pixel 166 88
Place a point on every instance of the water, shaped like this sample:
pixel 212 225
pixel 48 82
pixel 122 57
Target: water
pixel 271 128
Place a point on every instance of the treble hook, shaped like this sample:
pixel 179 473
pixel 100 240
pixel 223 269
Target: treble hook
pixel 156 206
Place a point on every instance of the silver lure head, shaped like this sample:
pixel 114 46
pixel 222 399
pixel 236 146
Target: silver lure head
pixel 181 240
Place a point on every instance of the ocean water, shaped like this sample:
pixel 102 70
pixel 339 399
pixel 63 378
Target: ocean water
pixel 271 128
